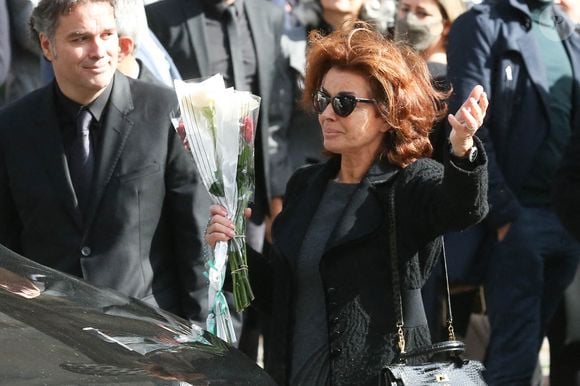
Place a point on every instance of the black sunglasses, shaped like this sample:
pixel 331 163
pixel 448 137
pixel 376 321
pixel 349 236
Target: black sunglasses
pixel 342 104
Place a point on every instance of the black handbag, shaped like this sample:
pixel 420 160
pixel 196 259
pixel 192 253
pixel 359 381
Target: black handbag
pixel 451 370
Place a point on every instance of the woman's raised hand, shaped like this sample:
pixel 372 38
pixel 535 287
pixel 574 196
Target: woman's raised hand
pixel 467 120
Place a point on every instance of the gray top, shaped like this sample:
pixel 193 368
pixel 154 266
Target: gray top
pixel 310 363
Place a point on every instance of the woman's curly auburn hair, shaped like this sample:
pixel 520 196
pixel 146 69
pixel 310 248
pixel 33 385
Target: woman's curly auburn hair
pixel 399 79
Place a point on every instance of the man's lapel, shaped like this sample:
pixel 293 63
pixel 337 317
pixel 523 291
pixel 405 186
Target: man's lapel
pixel 47 138
pixel 115 130
pixel 193 15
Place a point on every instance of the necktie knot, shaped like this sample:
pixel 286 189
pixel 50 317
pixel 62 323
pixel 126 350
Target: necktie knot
pixel 84 118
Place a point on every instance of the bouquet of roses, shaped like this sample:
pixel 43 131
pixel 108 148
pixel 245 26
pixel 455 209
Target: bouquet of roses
pixel 218 125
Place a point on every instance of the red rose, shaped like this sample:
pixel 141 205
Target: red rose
pixel 248 129
pixel 181 132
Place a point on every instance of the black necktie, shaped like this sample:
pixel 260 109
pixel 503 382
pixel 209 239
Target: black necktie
pixel 82 158
pixel 235 48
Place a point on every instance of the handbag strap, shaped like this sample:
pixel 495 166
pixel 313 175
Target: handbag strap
pixel 397 297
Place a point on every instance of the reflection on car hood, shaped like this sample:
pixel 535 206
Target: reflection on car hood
pixel 57 330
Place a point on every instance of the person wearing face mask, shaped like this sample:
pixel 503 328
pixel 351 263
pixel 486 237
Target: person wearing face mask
pixel 425 24
pixel 527 55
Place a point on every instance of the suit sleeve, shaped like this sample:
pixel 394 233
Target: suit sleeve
pixel 470 62
pixel 279 115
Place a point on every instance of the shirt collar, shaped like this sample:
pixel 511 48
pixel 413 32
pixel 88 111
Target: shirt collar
pixel 96 108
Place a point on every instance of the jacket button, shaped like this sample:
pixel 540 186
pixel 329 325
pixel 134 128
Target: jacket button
pixel 331 291
pixel 86 251
pixel 335 352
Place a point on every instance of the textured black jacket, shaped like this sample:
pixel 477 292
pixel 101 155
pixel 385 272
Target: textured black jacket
pixel 355 267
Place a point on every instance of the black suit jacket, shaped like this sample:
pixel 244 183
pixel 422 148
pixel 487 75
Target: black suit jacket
pixel 139 235
pixel 180 27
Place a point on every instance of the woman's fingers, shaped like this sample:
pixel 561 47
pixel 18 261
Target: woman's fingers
pixel 217 209
pixel 219 227
pixel 218 231
pixel 470 116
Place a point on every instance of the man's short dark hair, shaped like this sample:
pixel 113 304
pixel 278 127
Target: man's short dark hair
pixel 45 16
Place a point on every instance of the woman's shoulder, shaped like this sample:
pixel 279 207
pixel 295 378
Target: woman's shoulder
pixel 304 173
pixel 423 168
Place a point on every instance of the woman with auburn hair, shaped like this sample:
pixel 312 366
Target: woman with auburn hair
pixel 327 283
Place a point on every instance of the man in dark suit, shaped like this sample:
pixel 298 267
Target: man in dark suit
pixel 200 37
pixel 128 221
pixel 196 35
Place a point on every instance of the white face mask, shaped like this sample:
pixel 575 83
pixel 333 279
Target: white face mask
pixel 419 35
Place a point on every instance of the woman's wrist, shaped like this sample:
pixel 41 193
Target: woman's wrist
pixel 460 148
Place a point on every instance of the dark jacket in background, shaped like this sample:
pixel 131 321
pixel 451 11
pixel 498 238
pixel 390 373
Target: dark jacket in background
pixel 179 25
pixel 566 192
pixel 25 68
pixel 5 50
pixel 505 61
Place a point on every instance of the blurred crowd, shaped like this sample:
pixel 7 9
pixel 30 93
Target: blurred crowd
pixel 514 277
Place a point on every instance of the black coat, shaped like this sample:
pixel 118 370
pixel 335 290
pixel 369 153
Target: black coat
pixel 355 267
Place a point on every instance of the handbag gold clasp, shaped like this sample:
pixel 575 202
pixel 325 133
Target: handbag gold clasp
pixel 401 336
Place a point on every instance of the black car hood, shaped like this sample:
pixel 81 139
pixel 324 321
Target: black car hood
pixel 59 330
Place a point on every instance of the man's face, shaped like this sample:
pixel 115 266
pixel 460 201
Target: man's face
pixel 85 50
